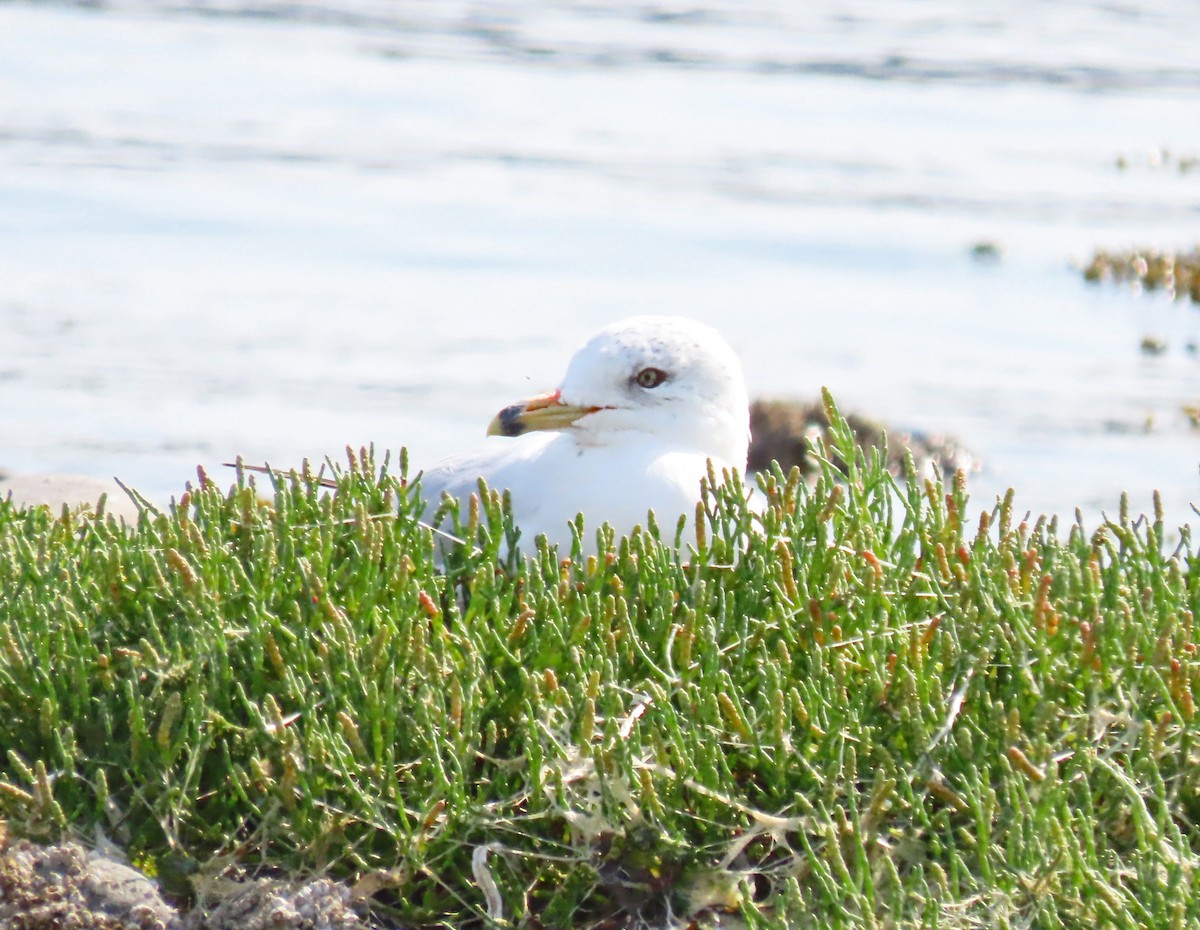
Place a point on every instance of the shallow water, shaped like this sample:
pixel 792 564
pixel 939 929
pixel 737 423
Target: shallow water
pixel 275 229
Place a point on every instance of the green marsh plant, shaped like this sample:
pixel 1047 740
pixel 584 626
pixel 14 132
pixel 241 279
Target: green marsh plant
pixel 860 704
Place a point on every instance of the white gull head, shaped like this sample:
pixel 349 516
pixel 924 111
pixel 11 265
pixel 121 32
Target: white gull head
pixel 645 404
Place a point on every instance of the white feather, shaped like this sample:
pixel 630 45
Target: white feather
pixel 646 448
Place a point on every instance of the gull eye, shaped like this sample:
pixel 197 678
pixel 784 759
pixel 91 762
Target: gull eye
pixel 650 377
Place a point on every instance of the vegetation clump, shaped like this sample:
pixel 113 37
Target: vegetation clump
pixel 855 705
pixel 1160 159
pixel 1176 274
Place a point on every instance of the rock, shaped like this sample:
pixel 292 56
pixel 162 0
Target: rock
pixel 780 430
pixel 55 887
pixel 268 904
pixel 64 887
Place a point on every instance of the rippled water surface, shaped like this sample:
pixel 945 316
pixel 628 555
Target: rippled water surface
pixel 273 229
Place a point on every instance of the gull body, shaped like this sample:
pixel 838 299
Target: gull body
pixel 643 407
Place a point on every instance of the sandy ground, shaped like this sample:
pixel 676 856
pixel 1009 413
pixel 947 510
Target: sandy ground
pixel 73 490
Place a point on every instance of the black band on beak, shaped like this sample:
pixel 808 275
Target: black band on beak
pixel 510 420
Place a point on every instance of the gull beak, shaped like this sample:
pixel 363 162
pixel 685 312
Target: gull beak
pixel 546 411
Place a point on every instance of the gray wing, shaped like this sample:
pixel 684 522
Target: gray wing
pixel 503 464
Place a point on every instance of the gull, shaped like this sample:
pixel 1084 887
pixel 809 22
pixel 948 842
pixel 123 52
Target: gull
pixel 645 406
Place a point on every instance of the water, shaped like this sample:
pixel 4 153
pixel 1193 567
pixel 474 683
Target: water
pixel 275 229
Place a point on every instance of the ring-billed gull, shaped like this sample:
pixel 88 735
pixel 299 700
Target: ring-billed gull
pixel 644 406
